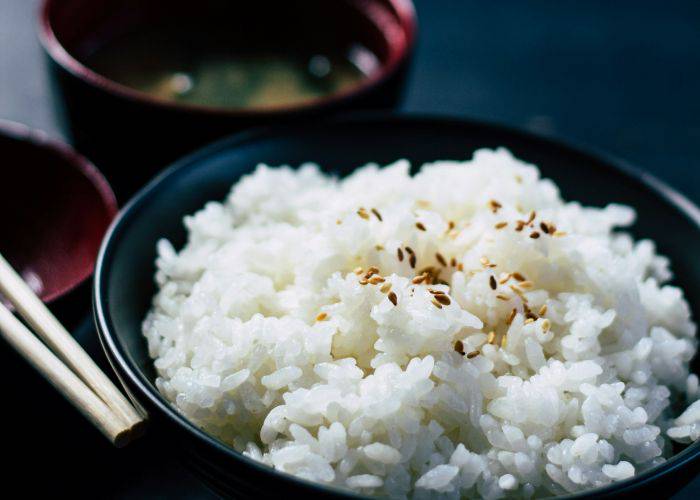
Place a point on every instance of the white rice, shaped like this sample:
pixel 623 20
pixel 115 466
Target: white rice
pixel 264 336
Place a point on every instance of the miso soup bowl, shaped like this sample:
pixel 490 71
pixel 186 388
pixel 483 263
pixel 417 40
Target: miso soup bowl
pixel 124 284
pixel 132 134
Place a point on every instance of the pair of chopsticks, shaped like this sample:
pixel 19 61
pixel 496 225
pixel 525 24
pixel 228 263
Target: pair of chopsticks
pixel 61 360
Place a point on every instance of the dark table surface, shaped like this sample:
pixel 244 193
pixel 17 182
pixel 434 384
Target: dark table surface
pixel 622 76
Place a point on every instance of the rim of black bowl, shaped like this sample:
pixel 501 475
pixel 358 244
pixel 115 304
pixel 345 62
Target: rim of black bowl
pixel 401 49
pixel 40 139
pixel 117 353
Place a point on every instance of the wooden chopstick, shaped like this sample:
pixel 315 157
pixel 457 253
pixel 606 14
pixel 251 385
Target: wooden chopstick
pixel 53 370
pixel 64 346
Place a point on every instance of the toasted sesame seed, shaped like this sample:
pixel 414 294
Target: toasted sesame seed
pixel 472 354
pixel 543 310
pixel 322 317
pixel 518 276
pixel 494 205
pixel 440 259
pixel 511 316
pixel 392 298
pixel 460 266
pixel 492 282
pixel 372 270
pixel 529 320
pixel 358 271
pixel 532 216
pixel 526 284
pixel 453 262
pixel 459 347
pixel 419 279
pixel 364 281
pixel 363 213
pixel 436 304
pixel 412 261
pixel 377 214
pixel 546 325
pixel 519 225
pixel 443 299
pixel 409 250
pixel 504 341
pixel 500 296
pixel 534 235
pixel 385 287
pixel 544 227
pixel 436 292
pixel 399 254
pixel 375 280
pixel 420 226
pixel 450 225
pixel 501 225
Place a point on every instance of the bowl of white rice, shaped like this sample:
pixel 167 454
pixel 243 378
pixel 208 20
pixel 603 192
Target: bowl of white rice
pixel 410 308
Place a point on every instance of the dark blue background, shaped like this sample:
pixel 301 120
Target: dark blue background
pixel 619 75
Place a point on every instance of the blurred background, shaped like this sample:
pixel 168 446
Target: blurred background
pixel 622 76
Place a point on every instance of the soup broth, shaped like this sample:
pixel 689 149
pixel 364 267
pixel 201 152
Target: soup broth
pixel 212 70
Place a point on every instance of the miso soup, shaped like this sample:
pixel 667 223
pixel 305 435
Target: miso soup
pixel 178 65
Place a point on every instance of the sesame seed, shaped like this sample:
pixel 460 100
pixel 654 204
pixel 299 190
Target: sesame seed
pixel 358 271
pixel 529 320
pixel 484 261
pixel 379 248
pixel 409 250
pixel 526 284
pixel 392 297
pixel 472 354
pixel 321 317
pixel 519 225
pixel 443 299
pixel 504 341
pixel 339 222
pixel 559 234
pixel 453 262
pixel 375 280
pixel 363 213
pixel 511 316
pixel 441 259
pixel 399 254
pixel 459 347
pixel 377 214
pixel 436 304
pixel 385 287
pixel 492 282
pixel 491 337
pixel 544 227
pixel 504 278
pixel 419 279
pixel 532 216
pixel 460 267
pixel 494 205
pixel 420 226
pixel 543 310
pixel 500 296
pixel 534 235
pixel 450 225
pixel 372 270
pixel 412 261
pixel 363 282
pixel 501 225
pixel 546 325
pixel 518 179
pixel 436 292
pixel 518 276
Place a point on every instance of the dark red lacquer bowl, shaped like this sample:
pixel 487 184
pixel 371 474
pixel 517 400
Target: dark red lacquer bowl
pixel 55 207
pixel 131 134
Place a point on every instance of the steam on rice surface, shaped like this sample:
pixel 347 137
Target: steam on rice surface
pixel 460 331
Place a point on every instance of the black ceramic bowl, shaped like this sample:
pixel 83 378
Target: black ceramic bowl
pixel 132 134
pixel 125 268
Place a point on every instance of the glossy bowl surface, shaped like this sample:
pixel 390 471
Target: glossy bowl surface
pixel 132 134
pixel 124 278
pixel 55 207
